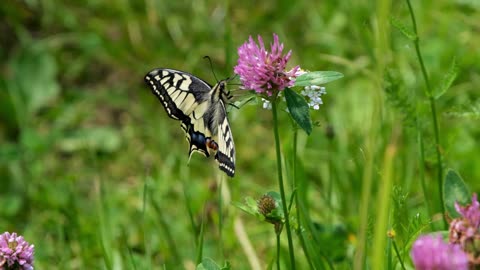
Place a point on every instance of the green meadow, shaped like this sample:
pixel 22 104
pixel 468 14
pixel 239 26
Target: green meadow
pixel 95 174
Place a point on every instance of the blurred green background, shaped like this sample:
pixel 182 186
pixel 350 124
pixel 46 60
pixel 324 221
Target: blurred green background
pixel 95 174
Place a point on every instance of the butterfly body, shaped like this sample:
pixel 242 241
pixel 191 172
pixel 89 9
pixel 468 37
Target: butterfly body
pixel 201 110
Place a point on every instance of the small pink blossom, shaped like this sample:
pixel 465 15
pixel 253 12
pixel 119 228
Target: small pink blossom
pixel 465 230
pixel 470 212
pixel 432 253
pixel 262 70
pixel 15 252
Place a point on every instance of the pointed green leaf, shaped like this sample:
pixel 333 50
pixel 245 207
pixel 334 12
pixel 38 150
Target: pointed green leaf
pixel 208 264
pixel 226 266
pixel 454 190
pixel 298 108
pixel 447 81
pixel 317 78
pixel 405 30
pixel 276 196
pixel 250 206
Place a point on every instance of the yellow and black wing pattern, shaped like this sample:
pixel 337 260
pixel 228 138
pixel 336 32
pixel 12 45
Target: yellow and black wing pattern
pixel 201 110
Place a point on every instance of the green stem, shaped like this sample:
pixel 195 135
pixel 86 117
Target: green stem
pixel 220 217
pixel 280 183
pixel 193 226
pixel 398 254
pixel 432 108
pixel 297 198
pixel 294 161
pixel 201 238
pixel 278 251
pixel 169 238
pixel 422 170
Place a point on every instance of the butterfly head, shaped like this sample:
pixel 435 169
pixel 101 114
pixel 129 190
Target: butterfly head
pixel 225 95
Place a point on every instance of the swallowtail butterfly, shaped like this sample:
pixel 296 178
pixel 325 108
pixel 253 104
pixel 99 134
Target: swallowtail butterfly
pixel 201 110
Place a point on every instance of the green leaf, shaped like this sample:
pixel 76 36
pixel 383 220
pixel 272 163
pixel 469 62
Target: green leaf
pixel 317 78
pixel 100 139
pixel 405 30
pixel 276 196
pixel 454 190
pixel 34 70
pixel 447 81
pixel 250 206
pixel 208 264
pixel 336 235
pixel 298 108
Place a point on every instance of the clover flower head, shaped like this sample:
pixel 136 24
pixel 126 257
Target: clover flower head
pixel 262 70
pixel 266 204
pixel 471 212
pixel 432 253
pixel 465 230
pixel 15 252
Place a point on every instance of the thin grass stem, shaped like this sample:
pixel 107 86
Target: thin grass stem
pixel 280 183
pixel 278 251
pixel 297 198
pixel 200 239
pixel 220 216
pixel 432 109
pixel 422 171
pixel 169 238
pixel 398 254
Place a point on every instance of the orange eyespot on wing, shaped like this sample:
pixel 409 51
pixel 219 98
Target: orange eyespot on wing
pixel 212 144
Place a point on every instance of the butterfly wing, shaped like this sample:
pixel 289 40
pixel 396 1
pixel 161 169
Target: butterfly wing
pixel 201 110
pixel 185 98
pixel 226 147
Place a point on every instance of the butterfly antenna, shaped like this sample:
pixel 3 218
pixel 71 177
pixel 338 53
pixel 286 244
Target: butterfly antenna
pixel 233 105
pixel 232 78
pixel 211 66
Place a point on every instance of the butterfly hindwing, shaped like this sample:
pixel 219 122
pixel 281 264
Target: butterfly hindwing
pixel 226 147
pixel 197 141
pixel 201 110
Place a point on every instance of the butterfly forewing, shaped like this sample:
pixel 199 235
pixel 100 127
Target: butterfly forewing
pixel 178 91
pixel 200 109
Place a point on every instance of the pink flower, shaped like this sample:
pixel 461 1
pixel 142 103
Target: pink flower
pixel 264 71
pixel 470 212
pixel 432 253
pixel 465 230
pixel 15 252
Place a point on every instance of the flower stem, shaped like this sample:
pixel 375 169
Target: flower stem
pixel 421 150
pixel 280 183
pixel 432 109
pixel 278 251
pixel 398 254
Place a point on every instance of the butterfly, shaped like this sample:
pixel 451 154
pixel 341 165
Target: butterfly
pixel 200 108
